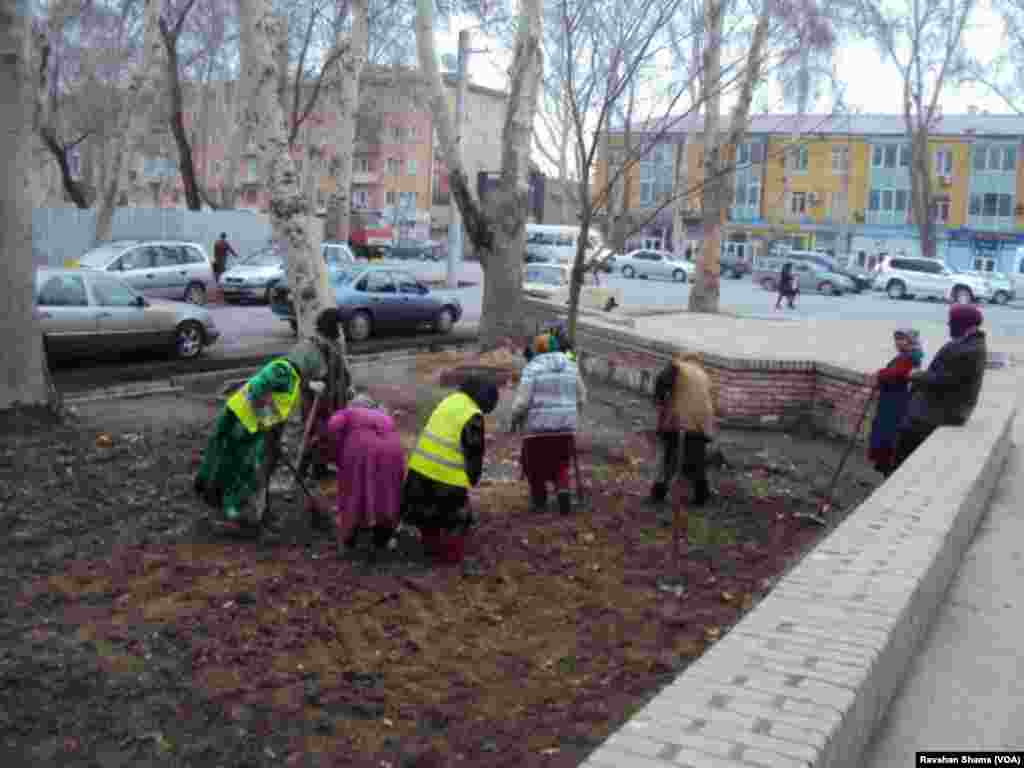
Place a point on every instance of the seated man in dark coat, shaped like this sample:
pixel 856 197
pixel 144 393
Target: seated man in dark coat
pixel 946 394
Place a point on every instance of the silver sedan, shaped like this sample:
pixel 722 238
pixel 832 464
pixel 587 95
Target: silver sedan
pixel 84 313
pixel 650 263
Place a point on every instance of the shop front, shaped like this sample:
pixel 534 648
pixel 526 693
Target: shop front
pixel 985 251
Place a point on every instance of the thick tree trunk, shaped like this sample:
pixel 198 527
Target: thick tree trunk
pixel 23 373
pixel 503 281
pixel 718 153
pixel 176 109
pixel 289 210
pixel 241 133
pixel 140 107
pixel 921 189
pixel 350 67
pixel 623 218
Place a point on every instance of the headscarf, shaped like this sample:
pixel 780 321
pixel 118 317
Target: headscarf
pixel 963 317
pixel 916 350
pixel 327 324
pixel 363 400
pixel 482 390
pixel 275 376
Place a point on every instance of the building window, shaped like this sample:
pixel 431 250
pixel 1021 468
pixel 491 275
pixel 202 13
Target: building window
pixel 890 155
pixel 796 159
pixel 900 205
pixel 407 200
pixel 360 198
pixel 362 165
pixel 982 264
pixel 75 163
pixel 414 133
pixel 394 167
pixel 252 169
pixel 840 160
pixel 410 166
pixel 944 162
pixel 798 203
pixel 995 158
pixel 904 155
pixel 837 206
pixel 749 153
pixel 397 133
pixel 656 175
pixel 389 197
pixel 942 211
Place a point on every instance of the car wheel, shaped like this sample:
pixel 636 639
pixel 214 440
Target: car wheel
pixel 195 293
pixel 679 276
pixel 360 326
pixel 188 340
pixel 425 256
pixel 896 290
pixel 1001 297
pixel 962 295
pixel 768 284
pixel 827 288
pixel 445 320
pixel 295 327
pixel 628 272
pixel 268 296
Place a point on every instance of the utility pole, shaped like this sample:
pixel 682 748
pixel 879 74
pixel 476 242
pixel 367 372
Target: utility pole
pixel 455 218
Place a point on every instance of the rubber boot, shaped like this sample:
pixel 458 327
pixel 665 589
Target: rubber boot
pixel 564 503
pixel 659 491
pixel 539 502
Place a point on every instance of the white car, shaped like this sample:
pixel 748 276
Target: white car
pixel 906 277
pixel 166 269
pixel 650 263
pixel 545 281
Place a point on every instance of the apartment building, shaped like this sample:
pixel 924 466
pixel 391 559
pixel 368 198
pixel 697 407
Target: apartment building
pixel 396 165
pixel 842 184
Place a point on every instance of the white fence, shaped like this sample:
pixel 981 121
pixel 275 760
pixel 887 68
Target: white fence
pixel 60 234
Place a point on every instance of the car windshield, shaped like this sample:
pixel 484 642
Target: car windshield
pixel 545 276
pixel 343 276
pixel 99 257
pixel 265 257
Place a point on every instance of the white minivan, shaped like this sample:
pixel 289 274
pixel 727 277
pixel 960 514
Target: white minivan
pixel 546 242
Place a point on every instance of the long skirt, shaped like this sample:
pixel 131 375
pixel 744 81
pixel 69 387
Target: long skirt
pixel 232 476
pixel 371 468
pixel 547 459
pixel 890 413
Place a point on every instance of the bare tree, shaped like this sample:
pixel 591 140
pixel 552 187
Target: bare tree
pixel 497 234
pixel 1003 74
pixel 264 119
pixel 346 93
pixel 140 111
pixel 924 40
pixel 24 380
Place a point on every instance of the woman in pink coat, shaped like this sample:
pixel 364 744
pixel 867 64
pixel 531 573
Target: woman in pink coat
pixel 371 472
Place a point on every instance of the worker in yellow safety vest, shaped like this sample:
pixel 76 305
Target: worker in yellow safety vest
pixel 448 460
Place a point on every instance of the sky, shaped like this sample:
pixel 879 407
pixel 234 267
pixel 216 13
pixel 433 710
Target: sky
pixel 869 81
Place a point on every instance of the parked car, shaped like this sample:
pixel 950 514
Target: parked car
pixel 904 277
pixel 417 250
pixel 167 269
pixel 862 279
pixel 257 276
pixel 733 264
pixel 546 242
pixel 85 312
pixel 546 281
pixel 650 263
pixel 1003 289
pixel 813 277
pixel 372 299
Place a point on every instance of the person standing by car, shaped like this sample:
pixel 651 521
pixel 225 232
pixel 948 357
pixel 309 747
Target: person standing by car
pixel 947 393
pixel 221 249
pixel 788 286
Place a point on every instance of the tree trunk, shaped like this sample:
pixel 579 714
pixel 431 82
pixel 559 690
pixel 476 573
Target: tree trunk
pixel 350 67
pixel 921 189
pixel 23 373
pixel 623 219
pixel 241 133
pixel 135 118
pixel 176 109
pixel 681 201
pixel 289 210
pixel 503 280
pixel 717 154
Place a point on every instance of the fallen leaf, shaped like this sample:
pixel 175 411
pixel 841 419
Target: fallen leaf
pixel 104 441
pixel 550 751
pixel 748 602
pixel 712 633
pixel 728 597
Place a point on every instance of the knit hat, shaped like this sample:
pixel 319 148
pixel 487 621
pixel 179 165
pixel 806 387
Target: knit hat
pixel 363 400
pixel 916 350
pixel 962 317
pixel 327 324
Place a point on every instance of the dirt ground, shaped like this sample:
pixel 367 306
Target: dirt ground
pixel 135 635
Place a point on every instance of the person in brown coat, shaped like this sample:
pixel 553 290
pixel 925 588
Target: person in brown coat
pixel 686 424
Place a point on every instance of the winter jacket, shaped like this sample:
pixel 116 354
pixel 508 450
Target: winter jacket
pixel 550 393
pixel 947 392
pixel 682 393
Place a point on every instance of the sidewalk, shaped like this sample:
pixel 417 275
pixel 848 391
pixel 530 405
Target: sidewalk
pixel 965 689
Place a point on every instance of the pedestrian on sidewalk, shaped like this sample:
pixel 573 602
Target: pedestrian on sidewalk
pixel 321 359
pixel 893 383
pixel 221 249
pixel 947 393
pixel 371 468
pixel 686 424
pixel 546 408
pixel 447 461
pixel 789 286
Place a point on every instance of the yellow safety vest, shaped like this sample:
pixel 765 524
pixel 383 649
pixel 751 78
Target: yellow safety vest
pixel 438 453
pixel 282 404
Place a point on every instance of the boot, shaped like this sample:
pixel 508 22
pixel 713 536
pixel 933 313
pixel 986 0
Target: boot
pixel 564 503
pixel 539 502
pixel 659 491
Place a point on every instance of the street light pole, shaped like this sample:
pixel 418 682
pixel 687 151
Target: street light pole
pixel 455 218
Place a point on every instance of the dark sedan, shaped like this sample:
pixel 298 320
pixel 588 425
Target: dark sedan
pixel 372 299
pixel 417 250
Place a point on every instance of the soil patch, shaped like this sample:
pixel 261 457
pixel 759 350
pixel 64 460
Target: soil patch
pixel 135 636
